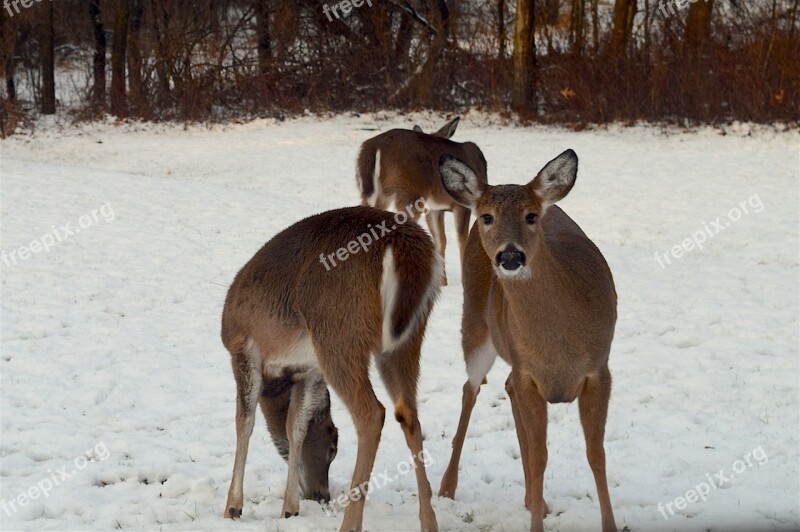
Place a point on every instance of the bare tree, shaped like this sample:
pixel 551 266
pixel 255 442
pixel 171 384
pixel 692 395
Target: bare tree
pixel 501 28
pixel 577 21
pixel 648 23
pixel 698 23
pixel 425 82
pixel 263 41
pixel 551 13
pixel 624 11
pixel 403 41
pixel 524 89
pixel 420 89
pixel 99 59
pixel 47 44
pixel 7 63
pixel 119 104
pixel 135 82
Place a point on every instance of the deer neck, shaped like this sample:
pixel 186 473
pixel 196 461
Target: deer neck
pixel 525 299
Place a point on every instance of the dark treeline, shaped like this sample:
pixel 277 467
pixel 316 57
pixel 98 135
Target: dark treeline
pixel 565 61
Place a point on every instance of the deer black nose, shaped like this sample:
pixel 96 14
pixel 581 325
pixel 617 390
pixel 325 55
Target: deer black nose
pixel 511 258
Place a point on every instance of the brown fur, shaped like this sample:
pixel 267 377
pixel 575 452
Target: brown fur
pixel 554 326
pixel 284 300
pixel 409 170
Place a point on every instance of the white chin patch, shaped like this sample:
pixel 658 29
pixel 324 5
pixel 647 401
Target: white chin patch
pixel 518 274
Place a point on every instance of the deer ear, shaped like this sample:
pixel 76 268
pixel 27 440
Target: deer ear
pixel 556 179
pixel 418 129
pixel 460 181
pixel 449 129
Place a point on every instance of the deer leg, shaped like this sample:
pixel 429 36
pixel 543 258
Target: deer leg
pixel 479 362
pixel 462 215
pixel 532 411
pixel 449 484
pixel 522 436
pixel 435 221
pixel 301 407
pixel 593 406
pixel 399 371
pixel 247 365
pixel 346 370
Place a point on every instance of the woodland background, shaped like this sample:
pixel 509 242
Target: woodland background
pixel 573 62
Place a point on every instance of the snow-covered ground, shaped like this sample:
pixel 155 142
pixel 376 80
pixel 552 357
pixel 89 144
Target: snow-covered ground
pixel 110 340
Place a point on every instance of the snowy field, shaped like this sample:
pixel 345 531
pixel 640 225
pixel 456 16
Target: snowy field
pixel 110 340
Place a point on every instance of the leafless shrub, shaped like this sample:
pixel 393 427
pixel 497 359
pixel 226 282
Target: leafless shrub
pixel 224 59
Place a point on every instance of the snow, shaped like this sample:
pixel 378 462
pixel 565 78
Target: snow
pixel 110 340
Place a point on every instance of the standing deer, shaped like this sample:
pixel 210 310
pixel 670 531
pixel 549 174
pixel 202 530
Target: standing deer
pixel 280 403
pixel 399 166
pixel 286 308
pixel 538 293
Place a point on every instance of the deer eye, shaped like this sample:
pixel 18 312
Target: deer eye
pixel 530 218
pixel 487 219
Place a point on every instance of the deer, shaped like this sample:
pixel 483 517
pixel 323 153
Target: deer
pixel 284 310
pixel 280 401
pixel 399 166
pixel 539 294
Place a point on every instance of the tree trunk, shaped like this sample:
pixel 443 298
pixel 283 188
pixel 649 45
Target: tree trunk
pixel 135 82
pixel 99 59
pixel 162 54
pixel 595 27
pixel 551 14
pixel 577 23
pixel 419 91
pixel 11 86
pixel 264 43
pixel 698 23
pixel 119 104
pixel 48 61
pixel 501 28
pixel 524 90
pixel 378 23
pixel 425 82
pixel 552 11
pixel 8 41
pixel 648 22
pixel 624 11
pixel 403 43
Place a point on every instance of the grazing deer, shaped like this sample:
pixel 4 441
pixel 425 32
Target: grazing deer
pixel 284 309
pixel 280 402
pixel 399 166
pixel 538 293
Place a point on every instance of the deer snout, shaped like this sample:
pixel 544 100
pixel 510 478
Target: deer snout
pixel 511 258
